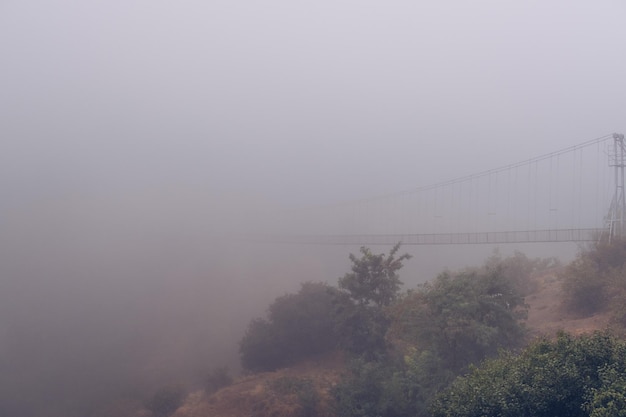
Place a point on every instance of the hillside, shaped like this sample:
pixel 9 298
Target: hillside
pixel 277 394
pixel 282 393
pixel 546 315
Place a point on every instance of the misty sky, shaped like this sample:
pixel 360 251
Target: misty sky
pixel 295 102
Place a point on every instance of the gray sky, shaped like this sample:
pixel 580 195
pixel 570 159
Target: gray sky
pixel 296 102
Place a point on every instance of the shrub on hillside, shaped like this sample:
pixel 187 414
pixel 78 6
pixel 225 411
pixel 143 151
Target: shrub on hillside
pixel 462 317
pixel 298 326
pixel 390 387
pixel 584 287
pixel 518 269
pixel 361 329
pixel 321 317
pixel 596 279
pixel 367 390
pixel 365 294
pixel 374 279
pixel 217 379
pixel 575 377
pixel 166 400
pixel 448 324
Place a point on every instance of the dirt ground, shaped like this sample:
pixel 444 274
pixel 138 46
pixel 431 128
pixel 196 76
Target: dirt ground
pixel 274 394
pixel 546 315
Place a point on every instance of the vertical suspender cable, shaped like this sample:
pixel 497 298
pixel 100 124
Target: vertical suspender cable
pixel 556 191
pixel 536 182
pixel 597 199
pixel 580 189
pixel 508 199
pixel 528 223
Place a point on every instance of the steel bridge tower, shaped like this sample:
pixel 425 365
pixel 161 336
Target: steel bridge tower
pixel 615 227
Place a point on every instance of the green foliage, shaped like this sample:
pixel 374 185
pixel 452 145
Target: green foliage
pixel 517 270
pixel 462 318
pixel 166 400
pixel 390 388
pixel 374 283
pixel 425 375
pixel 361 329
pixel 584 287
pixel 374 278
pixel 365 392
pixel 299 325
pixel 320 317
pixel 596 279
pixel 217 379
pixel 260 347
pixel 610 399
pixel 606 256
pixel 456 320
pixel 567 377
pixel 304 322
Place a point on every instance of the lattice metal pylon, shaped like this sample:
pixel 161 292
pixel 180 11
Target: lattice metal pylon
pixel 615 227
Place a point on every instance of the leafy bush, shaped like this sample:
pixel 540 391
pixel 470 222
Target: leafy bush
pixel 572 377
pixel 584 287
pixel 374 278
pixel 366 391
pixel 456 320
pixel 319 317
pixel 462 318
pixel 166 400
pixel 596 278
pixel 373 284
pixel 299 326
pixel 217 379
pixel 518 269
pixel 389 387
pixel 610 399
pixel 361 329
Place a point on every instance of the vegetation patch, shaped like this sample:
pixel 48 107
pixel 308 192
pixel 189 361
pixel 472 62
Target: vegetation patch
pixel 298 326
pixel 217 379
pixel 166 400
pixel 596 281
pixel 576 377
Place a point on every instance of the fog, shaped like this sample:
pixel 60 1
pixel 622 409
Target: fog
pixel 138 139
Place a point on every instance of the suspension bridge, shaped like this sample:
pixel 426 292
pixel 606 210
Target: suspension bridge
pixel 574 194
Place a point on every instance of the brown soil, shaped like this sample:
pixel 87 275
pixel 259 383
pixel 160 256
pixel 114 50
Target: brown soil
pixel 546 315
pixel 270 394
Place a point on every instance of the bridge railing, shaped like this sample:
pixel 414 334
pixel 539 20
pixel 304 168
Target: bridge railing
pixel 518 236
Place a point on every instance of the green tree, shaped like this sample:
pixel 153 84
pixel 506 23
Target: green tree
pixel 437 331
pixel 596 279
pixel 610 399
pixel 372 285
pixel 298 326
pixel 365 392
pixel 565 377
pixel 361 329
pixel 374 278
pixel 461 317
pixel 166 400
pixel 518 269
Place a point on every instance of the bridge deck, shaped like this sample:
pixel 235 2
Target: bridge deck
pixel 519 236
